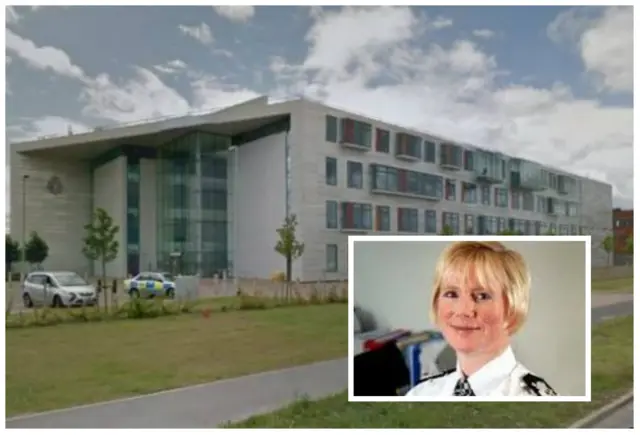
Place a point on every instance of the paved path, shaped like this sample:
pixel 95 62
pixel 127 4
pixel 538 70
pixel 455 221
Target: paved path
pixel 201 406
pixel 620 419
pixel 209 405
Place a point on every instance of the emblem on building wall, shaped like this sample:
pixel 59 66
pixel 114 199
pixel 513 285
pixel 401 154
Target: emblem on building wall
pixel 54 185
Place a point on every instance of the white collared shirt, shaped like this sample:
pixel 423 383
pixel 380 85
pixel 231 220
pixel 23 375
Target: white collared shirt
pixel 503 376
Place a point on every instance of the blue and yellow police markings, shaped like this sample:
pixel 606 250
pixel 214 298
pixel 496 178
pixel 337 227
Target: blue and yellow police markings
pixel 150 285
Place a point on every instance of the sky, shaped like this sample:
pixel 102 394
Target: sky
pixel 552 84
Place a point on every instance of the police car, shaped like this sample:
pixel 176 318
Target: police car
pixel 150 284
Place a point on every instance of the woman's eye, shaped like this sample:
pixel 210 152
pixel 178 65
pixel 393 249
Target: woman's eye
pixel 449 294
pixel 483 296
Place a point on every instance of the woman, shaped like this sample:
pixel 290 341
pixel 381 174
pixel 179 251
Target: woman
pixel 479 301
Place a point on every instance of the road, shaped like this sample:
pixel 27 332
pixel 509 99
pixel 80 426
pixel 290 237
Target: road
pixel 210 405
pixel 622 418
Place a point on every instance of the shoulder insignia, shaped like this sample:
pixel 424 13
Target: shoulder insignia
pixel 536 386
pixel 439 375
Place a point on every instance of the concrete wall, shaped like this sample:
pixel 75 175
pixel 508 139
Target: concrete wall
pixel 110 193
pixel 392 282
pixel 260 205
pixel 310 192
pixel 58 219
pixel 148 211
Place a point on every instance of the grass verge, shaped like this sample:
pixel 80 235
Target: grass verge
pixel 618 285
pixel 77 363
pixel 612 375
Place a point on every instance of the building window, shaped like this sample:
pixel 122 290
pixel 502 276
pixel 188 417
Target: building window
pixel 527 201
pixel 485 195
pixel 450 190
pixel 492 225
pixel 356 216
pixel 408 145
pixel 564 230
pixel 469 193
pixel 583 231
pixel 469 224
pixel 332 258
pixel 408 220
pixel 430 224
pixel 429 151
pixel 502 224
pixel 356 132
pixel 541 204
pixel 382 140
pixel 331 129
pixel 332 214
pixel 468 160
pixel 331 171
pixel 572 209
pixel 398 180
pixel 515 200
pixel 501 197
pixel 354 175
pixel 450 155
pixel 451 221
pixel 574 230
pixel 383 218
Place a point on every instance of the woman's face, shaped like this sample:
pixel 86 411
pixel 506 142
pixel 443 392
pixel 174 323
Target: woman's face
pixel 472 318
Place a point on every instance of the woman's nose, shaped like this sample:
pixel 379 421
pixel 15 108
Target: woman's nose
pixel 465 306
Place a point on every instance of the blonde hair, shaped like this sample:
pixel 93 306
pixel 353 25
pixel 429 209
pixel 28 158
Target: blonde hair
pixel 493 265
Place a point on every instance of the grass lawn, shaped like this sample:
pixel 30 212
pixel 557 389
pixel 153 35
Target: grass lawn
pixel 71 364
pixel 612 375
pixel 618 285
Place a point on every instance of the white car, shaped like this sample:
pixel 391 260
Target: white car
pixel 150 284
pixel 57 289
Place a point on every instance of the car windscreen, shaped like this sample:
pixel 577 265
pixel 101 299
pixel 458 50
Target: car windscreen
pixel 167 276
pixel 69 279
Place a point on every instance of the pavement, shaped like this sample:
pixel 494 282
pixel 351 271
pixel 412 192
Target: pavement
pixel 210 405
pixel 621 418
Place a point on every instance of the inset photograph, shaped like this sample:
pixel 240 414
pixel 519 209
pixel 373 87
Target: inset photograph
pixel 469 318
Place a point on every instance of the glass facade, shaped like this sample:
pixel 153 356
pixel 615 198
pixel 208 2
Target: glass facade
pixel 193 204
pixel 133 214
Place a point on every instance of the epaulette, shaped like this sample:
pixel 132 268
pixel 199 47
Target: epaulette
pixel 439 375
pixel 536 386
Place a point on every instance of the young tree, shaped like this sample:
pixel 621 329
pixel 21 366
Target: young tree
pixel 11 252
pixel 549 232
pixel 509 232
pixel 629 244
pixel 100 243
pixel 288 246
pixel 36 250
pixel 608 245
pixel 447 231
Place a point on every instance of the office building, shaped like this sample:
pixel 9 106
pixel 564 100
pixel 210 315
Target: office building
pixel 214 188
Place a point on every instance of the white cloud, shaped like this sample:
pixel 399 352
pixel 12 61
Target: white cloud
pixel 201 33
pixel 142 97
pixel 11 16
pixel 45 126
pixel 371 61
pixel 43 58
pixel 442 22
pixel 238 14
pixel 171 67
pixel 603 41
pixel 210 93
pixel 484 33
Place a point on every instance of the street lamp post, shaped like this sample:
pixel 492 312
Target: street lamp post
pixel 25 177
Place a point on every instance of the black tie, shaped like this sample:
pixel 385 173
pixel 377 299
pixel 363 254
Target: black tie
pixel 463 388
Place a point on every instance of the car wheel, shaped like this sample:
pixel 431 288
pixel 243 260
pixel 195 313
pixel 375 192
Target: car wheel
pixel 170 293
pixel 57 302
pixel 26 300
pixel 134 293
